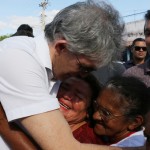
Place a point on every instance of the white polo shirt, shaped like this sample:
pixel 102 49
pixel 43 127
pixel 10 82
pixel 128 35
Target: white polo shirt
pixel 25 77
pixel 136 139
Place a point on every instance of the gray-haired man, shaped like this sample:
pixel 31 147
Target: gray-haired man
pixel 81 38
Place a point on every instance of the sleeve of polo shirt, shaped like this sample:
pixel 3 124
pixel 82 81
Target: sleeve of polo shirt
pixel 24 87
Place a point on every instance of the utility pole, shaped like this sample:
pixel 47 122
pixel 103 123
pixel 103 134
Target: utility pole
pixel 43 4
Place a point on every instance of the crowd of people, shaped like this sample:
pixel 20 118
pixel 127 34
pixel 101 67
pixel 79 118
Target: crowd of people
pixel 65 87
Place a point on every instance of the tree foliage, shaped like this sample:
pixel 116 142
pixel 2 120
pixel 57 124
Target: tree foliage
pixel 4 37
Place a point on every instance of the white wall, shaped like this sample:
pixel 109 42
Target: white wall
pixel 133 30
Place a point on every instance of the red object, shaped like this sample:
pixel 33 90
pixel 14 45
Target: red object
pixel 85 134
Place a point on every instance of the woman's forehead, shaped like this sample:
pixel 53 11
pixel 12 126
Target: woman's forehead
pixel 113 98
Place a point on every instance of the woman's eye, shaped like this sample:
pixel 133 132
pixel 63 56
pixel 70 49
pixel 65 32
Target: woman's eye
pixel 80 97
pixel 106 113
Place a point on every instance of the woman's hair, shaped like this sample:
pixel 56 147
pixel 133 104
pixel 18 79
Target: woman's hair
pixel 95 89
pixel 92 28
pixel 132 94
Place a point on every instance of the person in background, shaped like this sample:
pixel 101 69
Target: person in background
pixel 126 54
pixel 139 52
pixel 147 30
pixel 106 72
pixel 81 37
pixel 142 71
pixel 24 30
pixel 119 112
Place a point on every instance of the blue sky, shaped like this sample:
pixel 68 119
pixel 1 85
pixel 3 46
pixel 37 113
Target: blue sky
pixel 15 12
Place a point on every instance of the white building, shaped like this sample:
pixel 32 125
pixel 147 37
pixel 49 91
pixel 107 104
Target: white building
pixel 134 30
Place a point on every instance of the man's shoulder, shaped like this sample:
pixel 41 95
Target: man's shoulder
pixel 134 70
pixel 18 42
pixel 129 64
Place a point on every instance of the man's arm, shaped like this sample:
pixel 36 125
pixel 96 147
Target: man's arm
pixel 14 136
pixel 16 139
pixel 134 148
pixel 51 131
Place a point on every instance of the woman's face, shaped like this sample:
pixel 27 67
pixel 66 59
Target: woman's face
pixel 74 96
pixel 109 118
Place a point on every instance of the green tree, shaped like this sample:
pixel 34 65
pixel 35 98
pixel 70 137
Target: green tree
pixel 4 37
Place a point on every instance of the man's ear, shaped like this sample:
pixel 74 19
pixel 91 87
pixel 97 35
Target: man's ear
pixel 60 46
pixel 138 121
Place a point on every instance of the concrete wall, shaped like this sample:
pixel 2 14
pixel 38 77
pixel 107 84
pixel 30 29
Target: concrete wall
pixel 133 30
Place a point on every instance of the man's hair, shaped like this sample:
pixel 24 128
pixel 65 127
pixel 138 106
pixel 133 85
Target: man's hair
pixel 24 29
pixel 92 28
pixel 137 40
pixel 147 15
